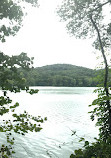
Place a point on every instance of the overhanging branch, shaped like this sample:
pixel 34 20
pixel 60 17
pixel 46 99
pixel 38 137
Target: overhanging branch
pixel 100 6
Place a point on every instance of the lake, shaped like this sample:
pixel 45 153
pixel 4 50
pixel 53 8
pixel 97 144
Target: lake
pixel 66 109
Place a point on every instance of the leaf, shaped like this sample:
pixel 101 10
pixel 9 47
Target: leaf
pixel 81 139
pixel 86 143
pixel 72 156
pixel 79 152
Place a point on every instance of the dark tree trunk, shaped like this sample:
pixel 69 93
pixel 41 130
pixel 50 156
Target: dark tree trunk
pixel 106 71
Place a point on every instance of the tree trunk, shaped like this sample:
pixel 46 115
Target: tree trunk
pixel 106 71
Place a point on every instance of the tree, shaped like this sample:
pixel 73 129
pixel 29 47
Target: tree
pixel 11 16
pixel 11 79
pixel 87 18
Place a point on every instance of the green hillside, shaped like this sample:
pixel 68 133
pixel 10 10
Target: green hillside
pixel 61 75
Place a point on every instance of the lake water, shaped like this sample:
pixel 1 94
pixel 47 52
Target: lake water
pixel 66 110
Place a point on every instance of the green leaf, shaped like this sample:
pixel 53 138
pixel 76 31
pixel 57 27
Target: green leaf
pixel 81 139
pixel 86 143
pixel 79 152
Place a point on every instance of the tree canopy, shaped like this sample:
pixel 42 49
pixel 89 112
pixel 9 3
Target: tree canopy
pixel 11 17
pixel 92 19
pixel 64 75
pixel 78 13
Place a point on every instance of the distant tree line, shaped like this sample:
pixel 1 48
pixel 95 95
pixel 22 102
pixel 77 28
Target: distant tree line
pixel 62 75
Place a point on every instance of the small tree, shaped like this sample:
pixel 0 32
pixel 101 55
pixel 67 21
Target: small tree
pixel 86 18
pixel 11 79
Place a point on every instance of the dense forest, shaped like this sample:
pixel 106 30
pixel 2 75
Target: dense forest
pixel 61 75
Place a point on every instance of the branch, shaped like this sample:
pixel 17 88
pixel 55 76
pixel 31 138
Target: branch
pixel 101 5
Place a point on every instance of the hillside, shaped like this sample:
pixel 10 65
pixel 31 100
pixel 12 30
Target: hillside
pixel 61 75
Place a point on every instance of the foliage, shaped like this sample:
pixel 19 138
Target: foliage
pixel 12 80
pixel 11 17
pixel 84 18
pixel 87 18
pixel 62 75
pixel 77 14
pixel 99 149
pixel 102 147
pixel 101 109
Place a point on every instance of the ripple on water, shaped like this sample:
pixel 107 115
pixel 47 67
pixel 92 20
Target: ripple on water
pixel 66 110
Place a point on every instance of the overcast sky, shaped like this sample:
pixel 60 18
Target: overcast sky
pixel 45 38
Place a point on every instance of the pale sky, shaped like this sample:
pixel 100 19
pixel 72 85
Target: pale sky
pixel 45 38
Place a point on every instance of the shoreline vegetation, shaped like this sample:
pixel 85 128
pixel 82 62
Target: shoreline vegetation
pixel 63 75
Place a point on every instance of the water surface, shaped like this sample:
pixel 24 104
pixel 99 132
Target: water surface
pixel 67 110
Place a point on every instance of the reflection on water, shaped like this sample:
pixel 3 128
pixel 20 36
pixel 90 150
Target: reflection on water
pixel 66 110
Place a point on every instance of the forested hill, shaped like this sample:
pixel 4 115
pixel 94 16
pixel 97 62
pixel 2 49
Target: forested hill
pixel 61 75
